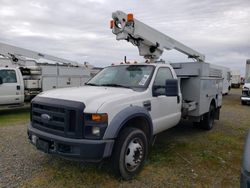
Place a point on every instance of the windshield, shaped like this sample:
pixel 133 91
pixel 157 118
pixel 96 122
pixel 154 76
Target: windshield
pixel 128 76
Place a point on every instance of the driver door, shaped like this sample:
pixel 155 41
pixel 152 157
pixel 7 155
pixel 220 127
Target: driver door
pixel 9 88
pixel 165 109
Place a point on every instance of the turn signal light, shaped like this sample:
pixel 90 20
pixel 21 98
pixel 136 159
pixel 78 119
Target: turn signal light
pixel 99 117
pixel 130 17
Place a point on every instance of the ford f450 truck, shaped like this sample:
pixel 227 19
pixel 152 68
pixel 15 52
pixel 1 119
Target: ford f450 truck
pixel 118 112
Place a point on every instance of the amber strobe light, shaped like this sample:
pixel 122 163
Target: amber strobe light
pixel 130 17
pixel 99 117
pixel 111 24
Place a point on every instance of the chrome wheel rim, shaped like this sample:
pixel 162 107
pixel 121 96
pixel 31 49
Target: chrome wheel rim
pixel 134 154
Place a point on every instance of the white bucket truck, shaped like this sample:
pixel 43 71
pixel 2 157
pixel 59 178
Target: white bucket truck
pixel 25 73
pixel 120 110
pixel 245 97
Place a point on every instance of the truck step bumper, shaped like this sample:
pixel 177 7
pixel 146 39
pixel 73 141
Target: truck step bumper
pixel 74 149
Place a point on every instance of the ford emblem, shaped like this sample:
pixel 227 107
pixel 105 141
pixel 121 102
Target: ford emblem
pixel 46 117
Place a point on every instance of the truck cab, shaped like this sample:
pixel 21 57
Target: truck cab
pixel 83 123
pixel 11 86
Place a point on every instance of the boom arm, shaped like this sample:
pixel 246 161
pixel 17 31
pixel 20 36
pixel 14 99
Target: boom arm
pixel 149 41
pixel 14 52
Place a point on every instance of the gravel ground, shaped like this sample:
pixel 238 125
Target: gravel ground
pixel 20 161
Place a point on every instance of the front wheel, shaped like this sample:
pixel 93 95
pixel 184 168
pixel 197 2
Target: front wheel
pixel 130 152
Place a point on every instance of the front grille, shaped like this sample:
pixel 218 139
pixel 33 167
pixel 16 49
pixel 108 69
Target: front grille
pixel 246 93
pixel 60 117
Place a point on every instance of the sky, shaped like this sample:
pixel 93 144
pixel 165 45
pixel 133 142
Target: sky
pixel 79 30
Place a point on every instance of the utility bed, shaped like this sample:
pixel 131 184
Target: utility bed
pixel 199 83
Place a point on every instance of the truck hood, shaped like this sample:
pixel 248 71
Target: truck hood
pixel 92 96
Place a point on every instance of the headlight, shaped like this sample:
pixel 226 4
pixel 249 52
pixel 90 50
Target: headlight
pixel 95 125
pixel 96 131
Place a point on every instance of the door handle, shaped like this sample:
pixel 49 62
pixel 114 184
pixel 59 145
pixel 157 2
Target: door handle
pixel 147 105
pixel 18 87
pixel 178 99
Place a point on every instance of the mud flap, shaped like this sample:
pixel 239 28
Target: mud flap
pixel 217 114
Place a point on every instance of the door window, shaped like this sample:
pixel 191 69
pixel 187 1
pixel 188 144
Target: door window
pixel 162 75
pixel 8 76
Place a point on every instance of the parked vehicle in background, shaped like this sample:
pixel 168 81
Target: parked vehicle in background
pixel 24 74
pixel 236 79
pixel 245 97
pixel 95 70
pixel 242 80
pixel 226 75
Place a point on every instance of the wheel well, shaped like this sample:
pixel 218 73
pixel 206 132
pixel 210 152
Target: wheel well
pixel 140 123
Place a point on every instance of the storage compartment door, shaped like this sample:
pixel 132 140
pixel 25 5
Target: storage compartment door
pixel 49 83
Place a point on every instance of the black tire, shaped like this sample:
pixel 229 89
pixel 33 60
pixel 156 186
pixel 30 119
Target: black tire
pixel 208 119
pixel 126 163
pixel 196 124
pixel 243 102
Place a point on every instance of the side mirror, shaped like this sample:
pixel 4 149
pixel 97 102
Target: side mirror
pixel 171 88
pixel 158 90
pixel 1 80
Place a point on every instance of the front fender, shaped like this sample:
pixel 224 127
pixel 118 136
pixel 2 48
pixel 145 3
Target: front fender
pixel 124 116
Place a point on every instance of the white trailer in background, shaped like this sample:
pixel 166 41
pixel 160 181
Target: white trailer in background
pixel 24 74
pixel 236 79
pixel 245 97
pixel 226 75
pixel 247 74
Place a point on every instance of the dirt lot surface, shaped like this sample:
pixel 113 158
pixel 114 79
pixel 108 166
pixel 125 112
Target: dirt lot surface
pixel 184 156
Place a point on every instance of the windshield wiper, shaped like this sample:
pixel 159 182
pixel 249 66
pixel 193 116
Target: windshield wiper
pixel 90 84
pixel 114 85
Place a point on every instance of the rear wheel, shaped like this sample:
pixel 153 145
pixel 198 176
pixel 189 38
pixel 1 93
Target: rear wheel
pixel 130 152
pixel 208 119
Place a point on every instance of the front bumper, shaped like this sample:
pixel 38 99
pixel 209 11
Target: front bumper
pixel 75 149
pixel 245 95
pixel 244 98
